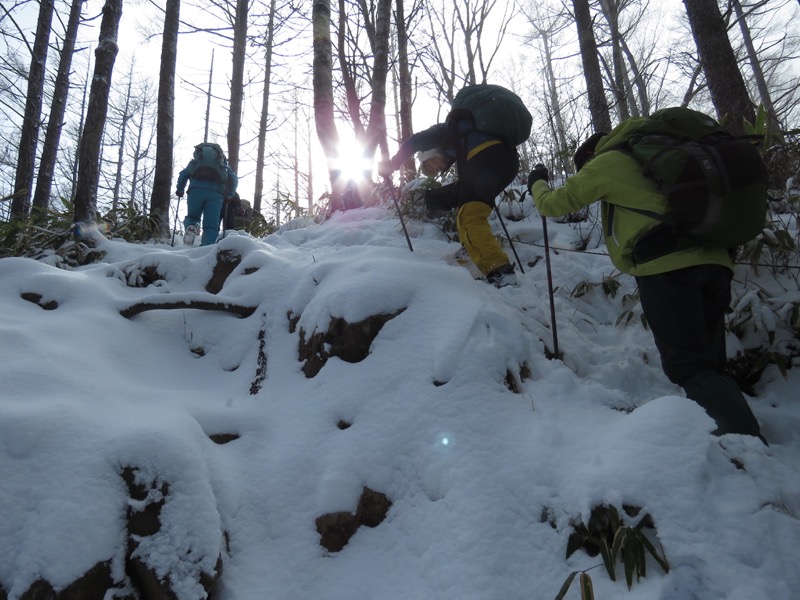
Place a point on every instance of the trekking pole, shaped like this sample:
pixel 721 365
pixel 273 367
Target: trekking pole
pixel 225 207
pixel 556 353
pixel 513 249
pixel 399 215
pixel 175 223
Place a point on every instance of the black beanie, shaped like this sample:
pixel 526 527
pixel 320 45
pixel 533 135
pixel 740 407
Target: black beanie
pixel 586 149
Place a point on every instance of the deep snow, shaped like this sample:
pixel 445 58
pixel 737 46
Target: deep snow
pixel 484 482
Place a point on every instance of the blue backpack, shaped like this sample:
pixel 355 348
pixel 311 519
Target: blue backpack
pixel 210 163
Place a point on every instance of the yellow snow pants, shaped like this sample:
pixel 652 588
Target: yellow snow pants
pixel 475 233
pixel 489 168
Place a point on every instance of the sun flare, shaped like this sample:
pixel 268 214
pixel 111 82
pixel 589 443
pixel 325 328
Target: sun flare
pixel 351 162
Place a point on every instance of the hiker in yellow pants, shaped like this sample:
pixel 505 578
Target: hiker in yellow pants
pixel 486 166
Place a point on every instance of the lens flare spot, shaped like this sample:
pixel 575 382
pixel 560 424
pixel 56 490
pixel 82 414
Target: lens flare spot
pixel 351 163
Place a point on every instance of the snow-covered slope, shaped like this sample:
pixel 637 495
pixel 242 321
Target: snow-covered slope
pixel 489 452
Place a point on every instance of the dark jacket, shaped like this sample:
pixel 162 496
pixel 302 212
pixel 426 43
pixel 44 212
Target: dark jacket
pixel 455 140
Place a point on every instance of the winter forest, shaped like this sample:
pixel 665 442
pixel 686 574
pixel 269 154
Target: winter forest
pixel 307 410
pixel 92 128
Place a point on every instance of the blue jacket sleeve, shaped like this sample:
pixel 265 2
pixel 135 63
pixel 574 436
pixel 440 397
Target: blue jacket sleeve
pixel 232 184
pixel 183 177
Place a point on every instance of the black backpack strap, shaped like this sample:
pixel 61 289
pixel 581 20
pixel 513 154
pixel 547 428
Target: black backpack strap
pixel 649 213
pixel 659 241
pixel 655 243
pixel 460 122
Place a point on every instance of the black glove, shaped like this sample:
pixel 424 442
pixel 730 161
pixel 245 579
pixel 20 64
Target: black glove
pixel 179 193
pixel 539 172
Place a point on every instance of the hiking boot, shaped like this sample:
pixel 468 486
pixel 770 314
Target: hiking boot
pixel 502 276
pixel 188 237
pixel 724 402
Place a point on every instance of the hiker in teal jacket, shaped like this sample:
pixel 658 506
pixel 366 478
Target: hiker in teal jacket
pixel 684 291
pixel 205 199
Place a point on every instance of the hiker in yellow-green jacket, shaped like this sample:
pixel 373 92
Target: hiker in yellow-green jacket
pixel 684 288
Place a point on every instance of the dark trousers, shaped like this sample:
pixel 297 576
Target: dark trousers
pixel 481 178
pixel 685 310
pixel 686 313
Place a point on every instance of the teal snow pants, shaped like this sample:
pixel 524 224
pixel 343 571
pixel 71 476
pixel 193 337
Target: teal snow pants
pixel 204 201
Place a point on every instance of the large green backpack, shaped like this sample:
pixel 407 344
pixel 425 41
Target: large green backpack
pixel 236 213
pixel 496 110
pixel 210 163
pixel 715 183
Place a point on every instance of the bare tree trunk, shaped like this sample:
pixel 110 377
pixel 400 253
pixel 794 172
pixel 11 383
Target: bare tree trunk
pixel 692 88
pixel 555 104
pixel 296 163
pixel 91 140
pixel 208 96
pixel 547 24
pixel 376 127
pixel 406 128
pixel 262 124
pixel 123 129
pixel 137 157
pixel 406 125
pixel 376 25
pixel 638 81
pixel 29 135
pixel 323 81
pixel 348 78
pixel 165 121
pixel 44 182
pixel 725 82
pixel 237 83
pixel 81 121
pixel 610 11
pixel 755 64
pixel 310 194
pixel 598 106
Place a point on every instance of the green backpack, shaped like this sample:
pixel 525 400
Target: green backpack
pixel 497 111
pixel 236 213
pixel 210 163
pixel 715 183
